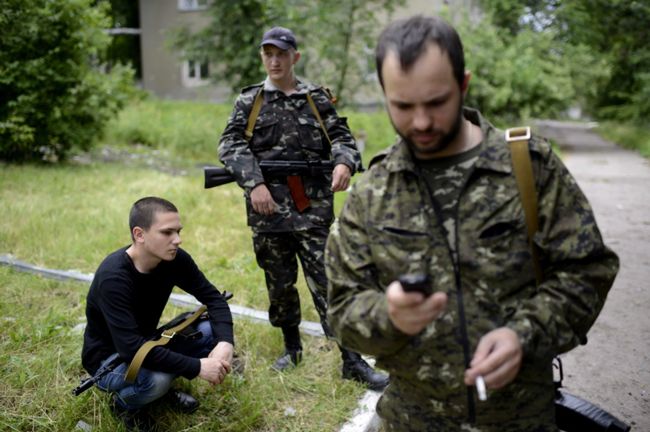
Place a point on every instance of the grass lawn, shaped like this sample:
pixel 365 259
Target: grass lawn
pixel 71 215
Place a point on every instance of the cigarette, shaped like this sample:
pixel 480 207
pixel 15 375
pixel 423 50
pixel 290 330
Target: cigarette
pixel 480 388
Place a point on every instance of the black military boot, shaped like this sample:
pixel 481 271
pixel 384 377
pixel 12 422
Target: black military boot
pixel 356 368
pixel 183 402
pixel 133 420
pixel 292 355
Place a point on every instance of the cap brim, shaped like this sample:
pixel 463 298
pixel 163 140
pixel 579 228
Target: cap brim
pixel 278 43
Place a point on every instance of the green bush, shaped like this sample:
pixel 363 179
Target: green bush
pixel 516 78
pixel 53 97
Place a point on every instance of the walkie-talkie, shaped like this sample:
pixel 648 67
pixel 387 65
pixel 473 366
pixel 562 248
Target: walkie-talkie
pixel 416 282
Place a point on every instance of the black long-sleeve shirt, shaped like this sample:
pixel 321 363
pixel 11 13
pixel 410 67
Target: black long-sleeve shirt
pixel 124 306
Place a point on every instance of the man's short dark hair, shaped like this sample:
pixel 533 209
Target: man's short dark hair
pixel 143 211
pixel 409 38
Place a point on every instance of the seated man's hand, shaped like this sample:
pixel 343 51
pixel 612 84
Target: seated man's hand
pixel 411 312
pixel 341 177
pixel 497 358
pixel 262 201
pixel 216 366
pixel 223 351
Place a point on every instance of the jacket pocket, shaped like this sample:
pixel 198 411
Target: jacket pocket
pixel 265 133
pixel 398 251
pixel 312 137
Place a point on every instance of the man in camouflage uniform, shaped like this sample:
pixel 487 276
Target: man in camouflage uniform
pixel 285 225
pixel 444 201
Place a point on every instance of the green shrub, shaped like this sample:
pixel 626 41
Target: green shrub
pixel 52 98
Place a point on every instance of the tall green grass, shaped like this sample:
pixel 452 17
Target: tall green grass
pixel 630 136
pixel 40 365
pixel 70 216
pixel 190 131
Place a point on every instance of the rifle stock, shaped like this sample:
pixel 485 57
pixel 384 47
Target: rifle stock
pixel 217 176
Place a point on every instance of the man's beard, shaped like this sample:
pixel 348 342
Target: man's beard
pixel 445 138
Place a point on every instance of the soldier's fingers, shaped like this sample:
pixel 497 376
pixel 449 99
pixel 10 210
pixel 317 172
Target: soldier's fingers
pixel 436 303
pixel 485 345
pixel 502 375
pixel 396 296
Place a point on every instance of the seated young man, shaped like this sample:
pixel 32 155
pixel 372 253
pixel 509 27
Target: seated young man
pixel 126 299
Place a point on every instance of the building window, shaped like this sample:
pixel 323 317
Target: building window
pixel 195 73
pixel 192 5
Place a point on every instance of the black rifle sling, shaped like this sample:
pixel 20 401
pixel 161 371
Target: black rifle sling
pixel 164 338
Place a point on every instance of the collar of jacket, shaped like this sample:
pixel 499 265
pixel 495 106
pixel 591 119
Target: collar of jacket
pixel 494 156
pixel 272 93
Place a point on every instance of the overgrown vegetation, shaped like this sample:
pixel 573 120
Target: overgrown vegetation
pixel 53 97
pixel 71 215
pixel 190 131
pixel 604 44
pixel 40 364
pixel 627 135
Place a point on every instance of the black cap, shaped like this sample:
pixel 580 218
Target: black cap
pixel 281 37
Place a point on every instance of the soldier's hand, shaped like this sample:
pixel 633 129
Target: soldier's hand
pixel 411 312
pixel 214 370
pixel 341 177
pixel 262 201
pixel 497 358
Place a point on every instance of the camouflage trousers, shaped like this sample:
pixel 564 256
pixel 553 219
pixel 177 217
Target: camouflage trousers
pixel 277 254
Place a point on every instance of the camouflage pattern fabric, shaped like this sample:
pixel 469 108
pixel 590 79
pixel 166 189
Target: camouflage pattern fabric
pixel 276 255
pixel 444 179
pixel 286 129
pixel 389 227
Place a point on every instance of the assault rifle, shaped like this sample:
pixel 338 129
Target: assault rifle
pixel 217 176
pixel 108 367
pixel 90 381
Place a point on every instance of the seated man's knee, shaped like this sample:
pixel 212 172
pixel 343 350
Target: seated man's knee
pixel 154 385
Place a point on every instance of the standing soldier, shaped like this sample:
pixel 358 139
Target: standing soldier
pixel 444 202
pixel 285 119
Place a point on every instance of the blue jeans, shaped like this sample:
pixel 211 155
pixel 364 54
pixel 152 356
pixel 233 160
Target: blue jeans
pixel 151 385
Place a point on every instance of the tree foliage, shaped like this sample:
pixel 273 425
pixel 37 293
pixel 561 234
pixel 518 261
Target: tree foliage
pixel 604 43
pixel 335 38
pixel 52 98
pixel 514 78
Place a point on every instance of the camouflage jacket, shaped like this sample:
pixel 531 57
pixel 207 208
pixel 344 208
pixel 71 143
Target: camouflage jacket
pixel 286 129
pixel 388 227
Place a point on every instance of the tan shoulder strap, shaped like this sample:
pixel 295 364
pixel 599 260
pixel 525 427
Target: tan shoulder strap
pixel 252 116
pixel 257 106
pixel 523 169
pixel 317 115
pixel 165 337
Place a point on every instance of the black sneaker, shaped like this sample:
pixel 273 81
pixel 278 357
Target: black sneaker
pixel 134 420
pixel 360 371
pixel 182 401
pixel 287 360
